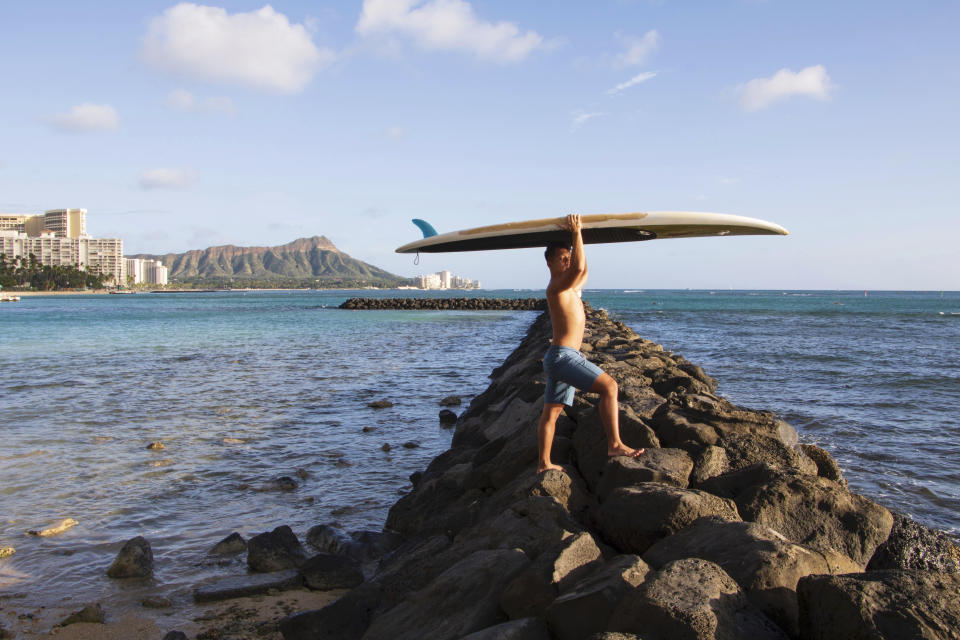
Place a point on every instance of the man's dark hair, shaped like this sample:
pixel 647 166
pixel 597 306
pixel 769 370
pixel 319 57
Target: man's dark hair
pixel 554 246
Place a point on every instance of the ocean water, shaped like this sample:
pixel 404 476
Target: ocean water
pixel 244 388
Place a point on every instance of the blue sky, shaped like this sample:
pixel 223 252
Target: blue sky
pixel 180 126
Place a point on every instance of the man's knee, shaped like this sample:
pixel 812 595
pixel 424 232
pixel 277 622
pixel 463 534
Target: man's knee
pixel 605 385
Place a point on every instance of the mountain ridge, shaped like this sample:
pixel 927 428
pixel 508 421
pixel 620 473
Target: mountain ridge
pixel 301 261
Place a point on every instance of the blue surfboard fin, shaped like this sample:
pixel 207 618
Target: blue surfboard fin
pixel 425 227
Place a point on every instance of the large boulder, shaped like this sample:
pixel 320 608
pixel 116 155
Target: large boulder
pixel 894 605
pixel 745 449
pixel 766 565
pixel 461 600
pixel 248 585
pixel 275 551
pixel 523 629
pixel 326 571
pixel 633 518
pixel 818 513
pixel 537 586
pixel 135 560
pixel 346 618
pixel 667 466
pixel 692 599
pixel 590 441
pixel 586 607
pixel 913 546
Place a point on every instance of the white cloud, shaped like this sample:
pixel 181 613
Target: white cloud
pixel 762 92
pixel 447 25
pixel 183 100
pixel 164 179
pixel 87 117
pixel 637 79
pixel 580 117
pixel 638 50
pixel 260 49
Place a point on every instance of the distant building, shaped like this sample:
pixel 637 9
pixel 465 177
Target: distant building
pixel 139 271
pixel 446 280
pixel 64 223
pixel 99 256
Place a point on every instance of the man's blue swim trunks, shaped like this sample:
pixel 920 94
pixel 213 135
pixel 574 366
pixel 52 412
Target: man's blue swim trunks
pixel 567 370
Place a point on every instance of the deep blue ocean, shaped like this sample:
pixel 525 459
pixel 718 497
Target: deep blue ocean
pixel 244 388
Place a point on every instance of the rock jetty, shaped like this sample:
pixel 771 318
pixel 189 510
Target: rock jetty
pixel 447 304
pixel 727 527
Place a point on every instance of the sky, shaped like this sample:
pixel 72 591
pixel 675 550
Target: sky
pixel 183 126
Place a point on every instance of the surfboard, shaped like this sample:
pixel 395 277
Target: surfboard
pixel 596 229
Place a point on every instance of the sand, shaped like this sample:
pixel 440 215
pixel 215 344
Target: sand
pixel 250 618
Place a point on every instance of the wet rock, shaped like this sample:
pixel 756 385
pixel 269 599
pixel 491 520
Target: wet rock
pixel 461 600
pixel 156 446
pixel 55 529
pixel 344 619
pixel 175 635
pixel 275 550
pixel 4 634
pixel 447 417
pixel 765 564
pixel 248 585
pixel 369 429
pixel 913 546
pixel 283 483
pixel 303 474
pixel 232 544
pixel 135 560
pixel 411 445
pixel 880 604
pixel 818 513
pixel 155 602
pixel 91 614
pixel 326 571
pixel 386 447
pixel 523 629
pixel 451 401
pixel 586 607
pixel 6 552
pixel 531 592
pixel 380 404
pixel 633 518
pixel 666 466
pixel 692 599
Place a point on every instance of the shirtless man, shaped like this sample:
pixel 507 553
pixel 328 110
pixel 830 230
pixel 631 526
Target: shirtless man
pixel 565 366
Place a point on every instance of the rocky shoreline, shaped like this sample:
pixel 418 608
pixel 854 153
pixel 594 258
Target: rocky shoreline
pixel 727 527
pixel 446 304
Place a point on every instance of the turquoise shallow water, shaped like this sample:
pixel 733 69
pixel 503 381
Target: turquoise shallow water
pixel 244 388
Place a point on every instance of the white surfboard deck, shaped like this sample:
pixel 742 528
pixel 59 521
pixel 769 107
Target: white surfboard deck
pixel 597 228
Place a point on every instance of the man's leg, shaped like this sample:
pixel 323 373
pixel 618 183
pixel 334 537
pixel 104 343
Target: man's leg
pixel 545 431
pixel 610 416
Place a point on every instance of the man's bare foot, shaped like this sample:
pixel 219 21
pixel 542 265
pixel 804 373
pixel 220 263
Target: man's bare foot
pixel 624 450
pixel 548 467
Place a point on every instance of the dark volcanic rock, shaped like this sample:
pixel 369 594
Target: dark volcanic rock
pixel 233 543
pixel 275 551
pixel 380 404
pixel 590 443
pixel 135 560
pixel 248 585
pixel 633 518
pixel 827 467
pixel 587 606
pixel 692 599
pixel 175 635
pixel 523 629
pixel 343 619
pixel 914 546
pixel 764 563
pixel 880 604
pixel 447 417
pixel 667 466
pixel 818 513
pixel 461 600
pixel 325 571
pixel 451 401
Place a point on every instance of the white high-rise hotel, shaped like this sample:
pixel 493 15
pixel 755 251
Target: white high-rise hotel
pixel 59 238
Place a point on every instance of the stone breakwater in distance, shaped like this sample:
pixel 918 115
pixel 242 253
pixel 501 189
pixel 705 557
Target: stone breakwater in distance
pixel 458 304
pixel 727 527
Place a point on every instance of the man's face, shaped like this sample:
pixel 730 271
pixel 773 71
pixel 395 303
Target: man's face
pixel 559 261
